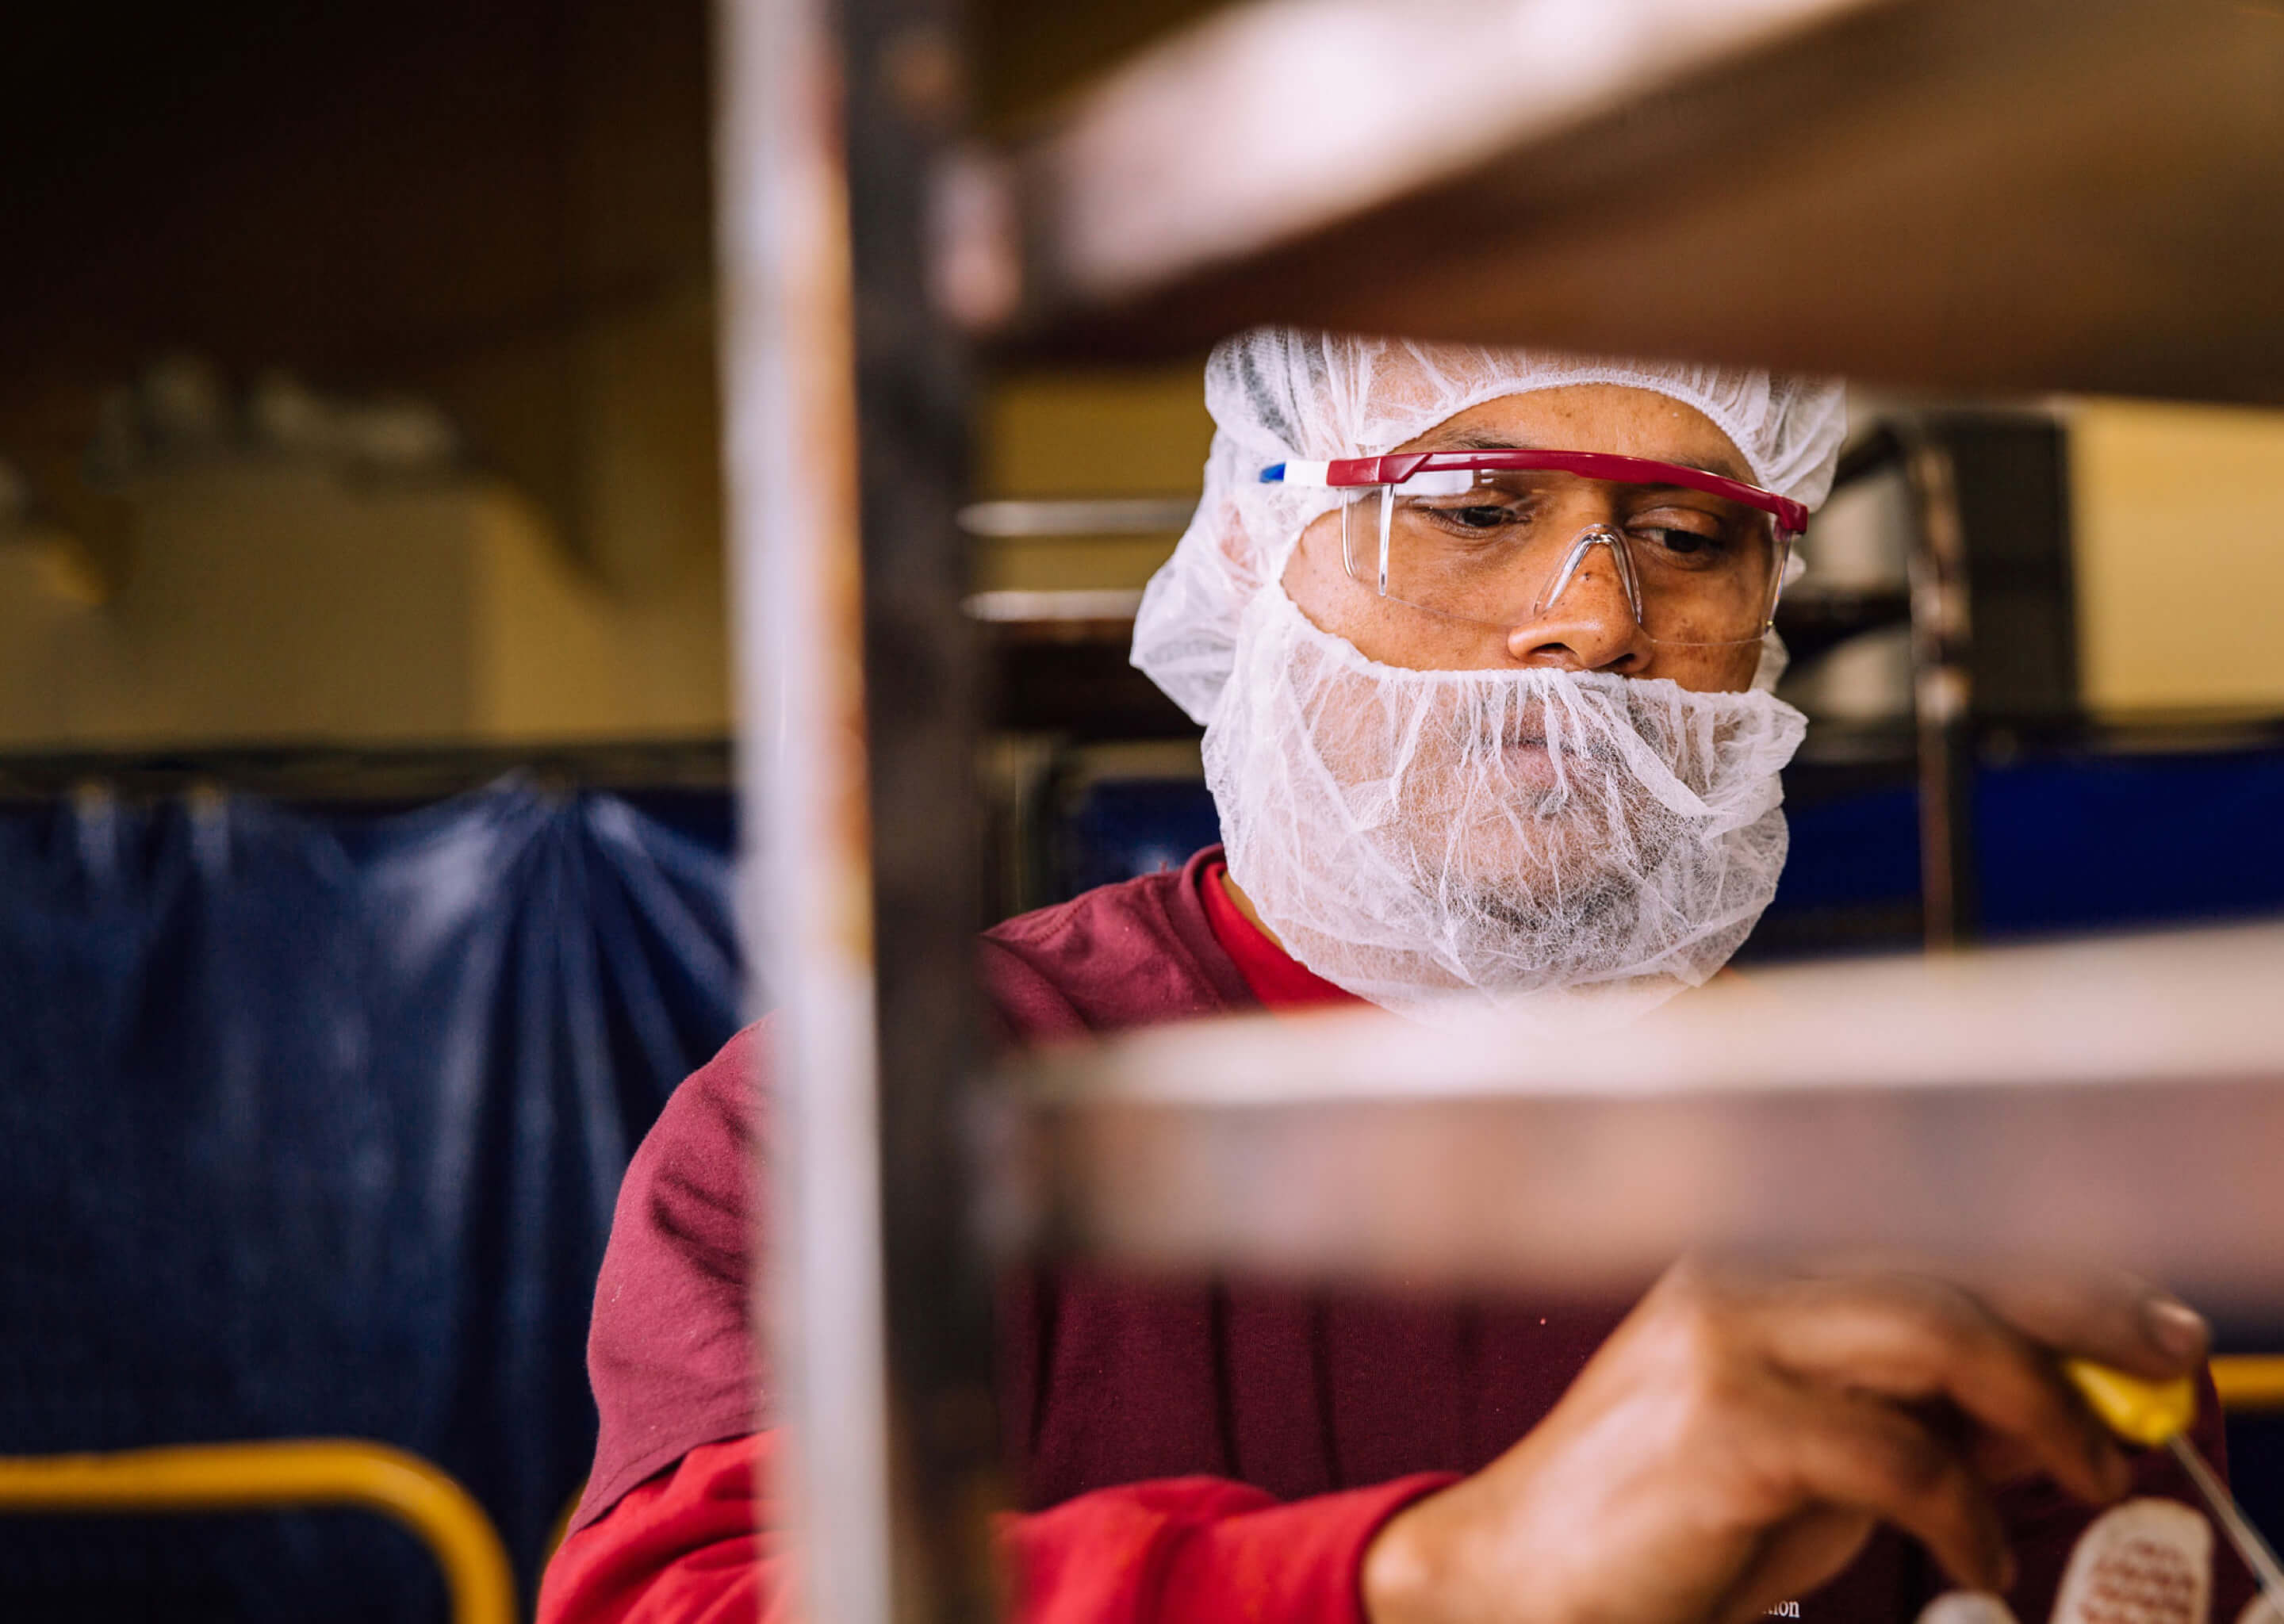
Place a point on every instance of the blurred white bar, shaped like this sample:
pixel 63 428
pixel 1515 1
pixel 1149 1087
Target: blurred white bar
pixel 805 887
pixel 2117 1101
pixel 1993 195
pixel 1084 604
pixel 1313 109
pixel 1093 516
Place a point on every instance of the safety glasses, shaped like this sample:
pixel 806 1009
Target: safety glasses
pixel 1510 538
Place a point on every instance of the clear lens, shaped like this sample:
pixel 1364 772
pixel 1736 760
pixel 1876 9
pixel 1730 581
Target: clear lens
pixel 1510 549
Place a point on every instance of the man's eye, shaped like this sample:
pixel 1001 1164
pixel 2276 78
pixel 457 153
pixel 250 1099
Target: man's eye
pixel 1681 543
pixel 1478 518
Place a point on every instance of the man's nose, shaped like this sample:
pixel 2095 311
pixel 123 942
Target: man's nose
pixel 1590 624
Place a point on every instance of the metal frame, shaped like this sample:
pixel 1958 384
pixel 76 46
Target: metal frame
pixel 2249 1383
pixel 1942 693
pixel 859 888
pixel 286 1475
pixel 1127 228
pixel 317 774
pixel 2112 1103
pixel 805 891
pixel 1942 627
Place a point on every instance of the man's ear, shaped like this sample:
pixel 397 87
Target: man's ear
pixel 1236 549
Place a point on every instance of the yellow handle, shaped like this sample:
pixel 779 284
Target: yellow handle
pixel 2144 1412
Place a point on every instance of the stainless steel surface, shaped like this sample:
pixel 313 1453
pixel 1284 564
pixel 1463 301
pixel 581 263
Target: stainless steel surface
pixel 1312 111
pixel 1091 516
pixel 806 901
pixel 2120 1102
pixel 1988 194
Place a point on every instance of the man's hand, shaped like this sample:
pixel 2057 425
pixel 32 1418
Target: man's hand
pixel 1737 1439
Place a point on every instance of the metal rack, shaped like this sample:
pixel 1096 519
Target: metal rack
pixel 1991 194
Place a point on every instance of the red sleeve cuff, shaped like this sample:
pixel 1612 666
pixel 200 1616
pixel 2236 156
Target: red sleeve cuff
pixel 700 1543
pixel 1204 1551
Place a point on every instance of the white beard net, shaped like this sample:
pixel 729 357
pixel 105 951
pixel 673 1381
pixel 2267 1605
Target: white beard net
pixel 1405 834
pixel 1580 843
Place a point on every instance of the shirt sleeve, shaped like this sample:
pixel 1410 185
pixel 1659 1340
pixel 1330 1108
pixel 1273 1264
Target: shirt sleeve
pixel 699 1543
pixel 669 1355
pixel 1201 1549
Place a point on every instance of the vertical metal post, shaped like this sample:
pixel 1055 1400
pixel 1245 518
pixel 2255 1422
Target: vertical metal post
pixel 805 887
pixel 845 422
pixel 1942 693
pixel 905 87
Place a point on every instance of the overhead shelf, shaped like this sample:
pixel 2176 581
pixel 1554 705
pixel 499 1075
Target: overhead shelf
pixel 2119 1103
pixel 1978 194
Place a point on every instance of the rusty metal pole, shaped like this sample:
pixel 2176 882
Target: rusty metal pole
pixel 805 892
pixel 905 89
pixel 1942 693
pixel 846 415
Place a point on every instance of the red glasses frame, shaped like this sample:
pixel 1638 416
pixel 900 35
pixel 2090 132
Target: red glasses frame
pixel 1398 466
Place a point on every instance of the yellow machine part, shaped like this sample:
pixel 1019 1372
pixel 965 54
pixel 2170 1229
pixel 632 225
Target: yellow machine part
pixel 274 1476
pixel 2250 1381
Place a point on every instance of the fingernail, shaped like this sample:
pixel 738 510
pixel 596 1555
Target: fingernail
pixel 2174 1327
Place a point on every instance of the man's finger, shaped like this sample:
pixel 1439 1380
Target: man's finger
pixel 2114 1317
pixel 1851 1450
pixel 2096 1313
pixel 1916 1339
pixel 1800 1555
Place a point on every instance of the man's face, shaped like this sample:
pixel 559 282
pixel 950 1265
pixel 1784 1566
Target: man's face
pixel 1592 626
pixel 1522 813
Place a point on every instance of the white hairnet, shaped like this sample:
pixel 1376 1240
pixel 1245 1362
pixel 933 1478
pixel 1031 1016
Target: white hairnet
pixel 1279 393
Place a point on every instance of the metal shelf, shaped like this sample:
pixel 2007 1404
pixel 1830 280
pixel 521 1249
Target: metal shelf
pixel 1988 194
pixel 1976 194
pixel 2116 1102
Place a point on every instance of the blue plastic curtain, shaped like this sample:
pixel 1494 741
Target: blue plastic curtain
pixel 312 1124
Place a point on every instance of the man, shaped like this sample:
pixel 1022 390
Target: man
pixel 1481 642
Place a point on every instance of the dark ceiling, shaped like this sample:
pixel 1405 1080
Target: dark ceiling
pixel 341 187
pixel 357 187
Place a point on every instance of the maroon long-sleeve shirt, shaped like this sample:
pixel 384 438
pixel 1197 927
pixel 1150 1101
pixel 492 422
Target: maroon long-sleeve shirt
pixel 1196 1452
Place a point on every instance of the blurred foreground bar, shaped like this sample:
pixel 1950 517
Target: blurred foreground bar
pixel 2119 1103
pixel 1972 194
